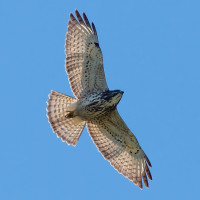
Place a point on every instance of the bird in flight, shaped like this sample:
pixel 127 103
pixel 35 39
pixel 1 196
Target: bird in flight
pixel 94 105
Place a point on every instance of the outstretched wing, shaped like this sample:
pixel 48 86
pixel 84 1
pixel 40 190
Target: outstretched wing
pixel 84 60
pixel 120 147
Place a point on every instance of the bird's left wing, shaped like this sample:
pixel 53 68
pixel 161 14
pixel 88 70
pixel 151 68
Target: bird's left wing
pixel 120 147
pixel 84 60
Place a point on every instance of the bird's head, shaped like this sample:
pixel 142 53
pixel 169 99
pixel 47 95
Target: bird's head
pixel 117 94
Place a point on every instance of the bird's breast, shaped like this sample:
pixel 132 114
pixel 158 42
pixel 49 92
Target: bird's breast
pixel 95 106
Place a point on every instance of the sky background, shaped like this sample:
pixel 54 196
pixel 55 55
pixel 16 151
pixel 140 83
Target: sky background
pixel 151 51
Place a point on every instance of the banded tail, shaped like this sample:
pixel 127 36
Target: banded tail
pixel 58 109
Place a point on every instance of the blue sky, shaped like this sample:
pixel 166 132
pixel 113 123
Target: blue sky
pixel 151 51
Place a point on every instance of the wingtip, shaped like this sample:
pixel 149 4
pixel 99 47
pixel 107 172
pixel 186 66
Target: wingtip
pixel 146 183
pixel 71 16
pixel 77 12
pixel 148 161
pixel 85 16
pixel 140 186
pixel 94 28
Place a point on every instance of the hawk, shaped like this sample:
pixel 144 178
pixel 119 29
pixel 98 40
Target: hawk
pixel 94 105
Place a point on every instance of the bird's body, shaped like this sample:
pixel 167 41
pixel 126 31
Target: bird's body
pixel 95 105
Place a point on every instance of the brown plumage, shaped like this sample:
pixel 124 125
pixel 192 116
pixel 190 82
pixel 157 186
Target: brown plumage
pixel 94 105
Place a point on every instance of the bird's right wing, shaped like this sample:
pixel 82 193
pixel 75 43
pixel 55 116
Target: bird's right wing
pixel 84 60
pixel 120 147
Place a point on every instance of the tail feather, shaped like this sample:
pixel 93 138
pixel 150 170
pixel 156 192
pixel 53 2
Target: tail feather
pixel 68 129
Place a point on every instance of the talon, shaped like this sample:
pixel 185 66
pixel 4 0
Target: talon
pixel 70 115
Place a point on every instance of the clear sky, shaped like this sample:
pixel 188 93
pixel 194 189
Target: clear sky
pixel 151 51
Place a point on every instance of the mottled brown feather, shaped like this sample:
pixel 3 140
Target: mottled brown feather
pixel 68 129
pixel 84 66
pixel 84 60
pixel 120 147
